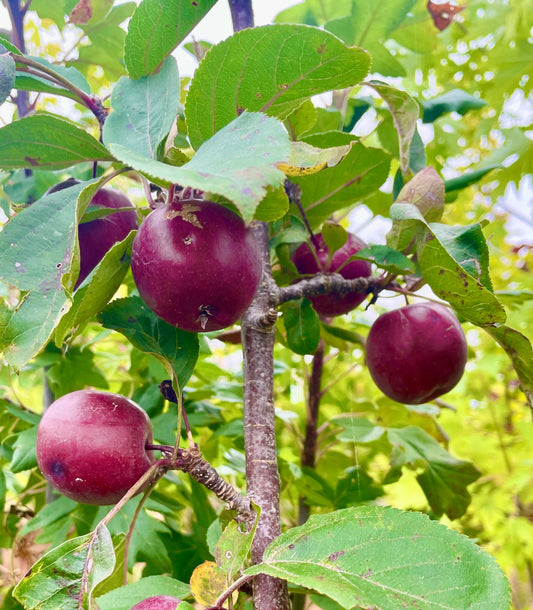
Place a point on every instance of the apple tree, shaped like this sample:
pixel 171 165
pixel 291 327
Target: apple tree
pixel 218 386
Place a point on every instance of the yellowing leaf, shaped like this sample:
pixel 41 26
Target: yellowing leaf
pixel 306 159
pixel 208 582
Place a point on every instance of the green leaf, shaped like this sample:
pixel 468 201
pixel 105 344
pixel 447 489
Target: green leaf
pixel 51 10
pixel 234 546
pixel 20 413
pixel 467 245
pixel 46 141
pixel 303 327
pixel 33 82
pixel 519 350
pixel 90 12
pixel 373 22
pixel 55 580
pixel 238 162
pixel 273 206
pixel 444 478
pixel 26 330
pixel 106 49
pixel 380 557
pixel 301 120
pixel 335 237
pixel 176 349
pixel 92 298
pixel 270 69
pixel 147 545
pixel 455 100
pixel 24 456
pixel 49 514
pixel 387 258
pixel 155 30
pixel 454 261
pixel 467 179
pixel 344 334
pixel 6 45
pixel 36 244
pixel 143 110
pixel 359 174
pixel 314 12
pixel 7 76
pixel 125 597
pixel 73 370
pixel 36 248
pixel 405 113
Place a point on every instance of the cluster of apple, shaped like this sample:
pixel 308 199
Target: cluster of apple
pixel 197 266
pixel 415 353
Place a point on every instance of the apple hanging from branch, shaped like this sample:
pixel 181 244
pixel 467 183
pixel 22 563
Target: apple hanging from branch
pixel 196 265
pixel 416 353
pixel 310 262
pixel 91 445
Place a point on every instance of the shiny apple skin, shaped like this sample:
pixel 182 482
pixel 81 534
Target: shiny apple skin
pixel 196 265
pixel 330 305
pixel 91 445
pixel 98 236
pixel 416 353
pixel 158 602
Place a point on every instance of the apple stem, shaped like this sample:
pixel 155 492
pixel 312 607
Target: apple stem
pixel 153 474
pixel 131 527
pixel 171 193
pixel 167 391
pixel 295 195
pixel 162 448
pixel 93 103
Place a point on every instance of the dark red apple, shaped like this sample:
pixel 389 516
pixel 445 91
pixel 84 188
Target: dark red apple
pixel 158 602
pixel 97 236
pixel 416 353
pixel 196 265
pixel 309 262
pixel 91 445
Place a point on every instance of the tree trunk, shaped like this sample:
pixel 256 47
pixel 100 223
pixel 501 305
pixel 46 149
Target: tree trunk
pixel 262 474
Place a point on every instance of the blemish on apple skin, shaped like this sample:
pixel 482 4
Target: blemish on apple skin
pixel 57 469
pixel 20 268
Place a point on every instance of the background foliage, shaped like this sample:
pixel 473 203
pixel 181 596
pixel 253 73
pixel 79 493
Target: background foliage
pixel 464 460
